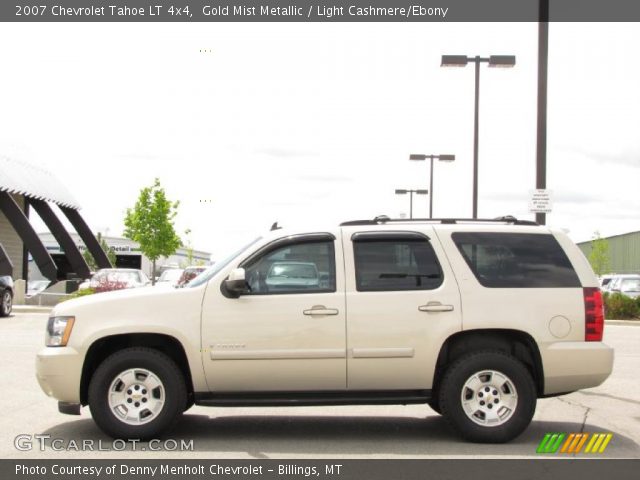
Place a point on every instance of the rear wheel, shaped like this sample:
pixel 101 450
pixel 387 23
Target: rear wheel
pixel 488 397
pixel 435 405
pixel 137 393
pixel 6 303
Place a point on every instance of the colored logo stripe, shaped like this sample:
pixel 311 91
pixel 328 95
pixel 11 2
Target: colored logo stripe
pixel 574 443
pixel 597 443
pixel 550 443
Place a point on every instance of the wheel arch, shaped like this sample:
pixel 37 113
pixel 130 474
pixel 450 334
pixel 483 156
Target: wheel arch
pixel 105 346
pixel 514 342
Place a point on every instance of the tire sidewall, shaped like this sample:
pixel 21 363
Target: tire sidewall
pixel 157 363
pixel 459 373
pixel 3 312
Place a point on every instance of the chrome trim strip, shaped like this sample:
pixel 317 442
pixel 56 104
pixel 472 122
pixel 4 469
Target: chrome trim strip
pixel 274 354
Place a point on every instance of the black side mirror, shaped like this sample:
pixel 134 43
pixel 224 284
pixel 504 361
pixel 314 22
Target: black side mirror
pixel 235 285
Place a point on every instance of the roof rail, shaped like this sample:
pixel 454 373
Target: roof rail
pixel 382 219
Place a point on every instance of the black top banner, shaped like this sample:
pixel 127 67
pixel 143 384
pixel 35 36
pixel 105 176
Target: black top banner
pixel 319 11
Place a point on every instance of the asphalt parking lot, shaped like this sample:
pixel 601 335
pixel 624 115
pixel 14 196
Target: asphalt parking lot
pixel 312 432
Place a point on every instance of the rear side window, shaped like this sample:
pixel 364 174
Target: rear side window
pixel 516 260
pixel 391 264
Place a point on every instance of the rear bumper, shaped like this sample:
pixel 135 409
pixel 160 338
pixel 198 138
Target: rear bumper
pixel 58 370
pixel 571 366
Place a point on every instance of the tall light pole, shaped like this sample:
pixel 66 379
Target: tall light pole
pixel 403 191
pixel 443 158
pixel 541 142
pixel 503 61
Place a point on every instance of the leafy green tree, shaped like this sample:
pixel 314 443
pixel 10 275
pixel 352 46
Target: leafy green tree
pixel 599 255
pixel 150 223
pixel 93 266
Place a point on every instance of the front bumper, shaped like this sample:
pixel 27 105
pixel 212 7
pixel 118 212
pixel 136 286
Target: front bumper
pixel 571 366
pixel 58 370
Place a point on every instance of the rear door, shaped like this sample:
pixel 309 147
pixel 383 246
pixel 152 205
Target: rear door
pixel 402 303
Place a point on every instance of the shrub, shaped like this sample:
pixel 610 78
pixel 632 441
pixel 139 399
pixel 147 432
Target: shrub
pixel 107 285
pixel 80 293
pixel 619 306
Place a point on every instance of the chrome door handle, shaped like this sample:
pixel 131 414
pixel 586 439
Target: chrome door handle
pixel 321 310
pixel 435 307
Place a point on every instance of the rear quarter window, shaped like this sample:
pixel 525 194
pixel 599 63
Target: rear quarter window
pixel 516 260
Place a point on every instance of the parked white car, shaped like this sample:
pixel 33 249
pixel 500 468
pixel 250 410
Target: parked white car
pixel 169 278
pixel 477 319
pixel 122 277
pixel 628 285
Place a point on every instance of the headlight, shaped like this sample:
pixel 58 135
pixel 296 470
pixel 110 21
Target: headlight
pixel 58 331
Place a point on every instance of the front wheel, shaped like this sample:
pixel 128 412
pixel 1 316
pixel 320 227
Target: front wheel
pixel 488 397
pixel 137 393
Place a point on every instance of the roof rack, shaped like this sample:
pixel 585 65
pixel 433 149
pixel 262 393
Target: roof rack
pixel 383 219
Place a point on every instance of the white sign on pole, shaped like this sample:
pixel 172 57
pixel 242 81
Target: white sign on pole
pixel 540 201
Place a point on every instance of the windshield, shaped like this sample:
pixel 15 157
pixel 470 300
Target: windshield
pixel 209 273
pixel 170 275
pixel 630 285
pixel 116 276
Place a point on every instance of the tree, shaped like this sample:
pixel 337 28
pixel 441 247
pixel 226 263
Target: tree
pixel 93 266
pixel 150 223
pixel 189 248
pixel 599 255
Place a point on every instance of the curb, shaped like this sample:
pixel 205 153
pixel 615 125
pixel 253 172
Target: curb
pixel 30 309
pixel 623 322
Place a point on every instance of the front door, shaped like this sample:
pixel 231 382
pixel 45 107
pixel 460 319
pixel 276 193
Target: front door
pixel 288 333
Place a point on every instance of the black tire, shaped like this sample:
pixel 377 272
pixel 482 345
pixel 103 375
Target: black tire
pixel 6 303
pixel 451 392
pixel 174 393
pixel 434 403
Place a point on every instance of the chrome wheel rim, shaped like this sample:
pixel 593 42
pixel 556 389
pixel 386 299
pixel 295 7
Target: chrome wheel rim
pixel 6 302
pixel 489 398
pixel 136 396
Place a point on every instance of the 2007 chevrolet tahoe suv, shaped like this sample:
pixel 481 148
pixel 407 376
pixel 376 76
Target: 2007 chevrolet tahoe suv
pixel 477 319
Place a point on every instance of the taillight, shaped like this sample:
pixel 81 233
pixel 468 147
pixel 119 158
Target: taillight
pixel 593 315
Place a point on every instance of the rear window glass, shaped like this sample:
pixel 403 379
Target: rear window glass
pixel 516 260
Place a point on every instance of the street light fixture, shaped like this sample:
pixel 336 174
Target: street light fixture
pixel 443 158
pixel 402 191
pixel 495 61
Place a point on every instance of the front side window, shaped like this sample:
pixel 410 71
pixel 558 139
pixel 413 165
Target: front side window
pixel 391 264
pixel 296 268
pixel 516 260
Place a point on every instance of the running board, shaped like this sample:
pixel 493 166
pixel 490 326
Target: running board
pixel 301 399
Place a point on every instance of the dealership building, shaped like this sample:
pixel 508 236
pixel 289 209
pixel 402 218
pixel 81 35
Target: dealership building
pixel 624 252
pixel 26 189
pixel 127 253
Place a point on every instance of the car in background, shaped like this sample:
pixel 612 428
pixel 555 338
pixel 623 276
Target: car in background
pixel 189 274
pixel 116 279
pixel 605 281
pixel 628 285
pixel 6 295
pixel 169 278
pixel 292 275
